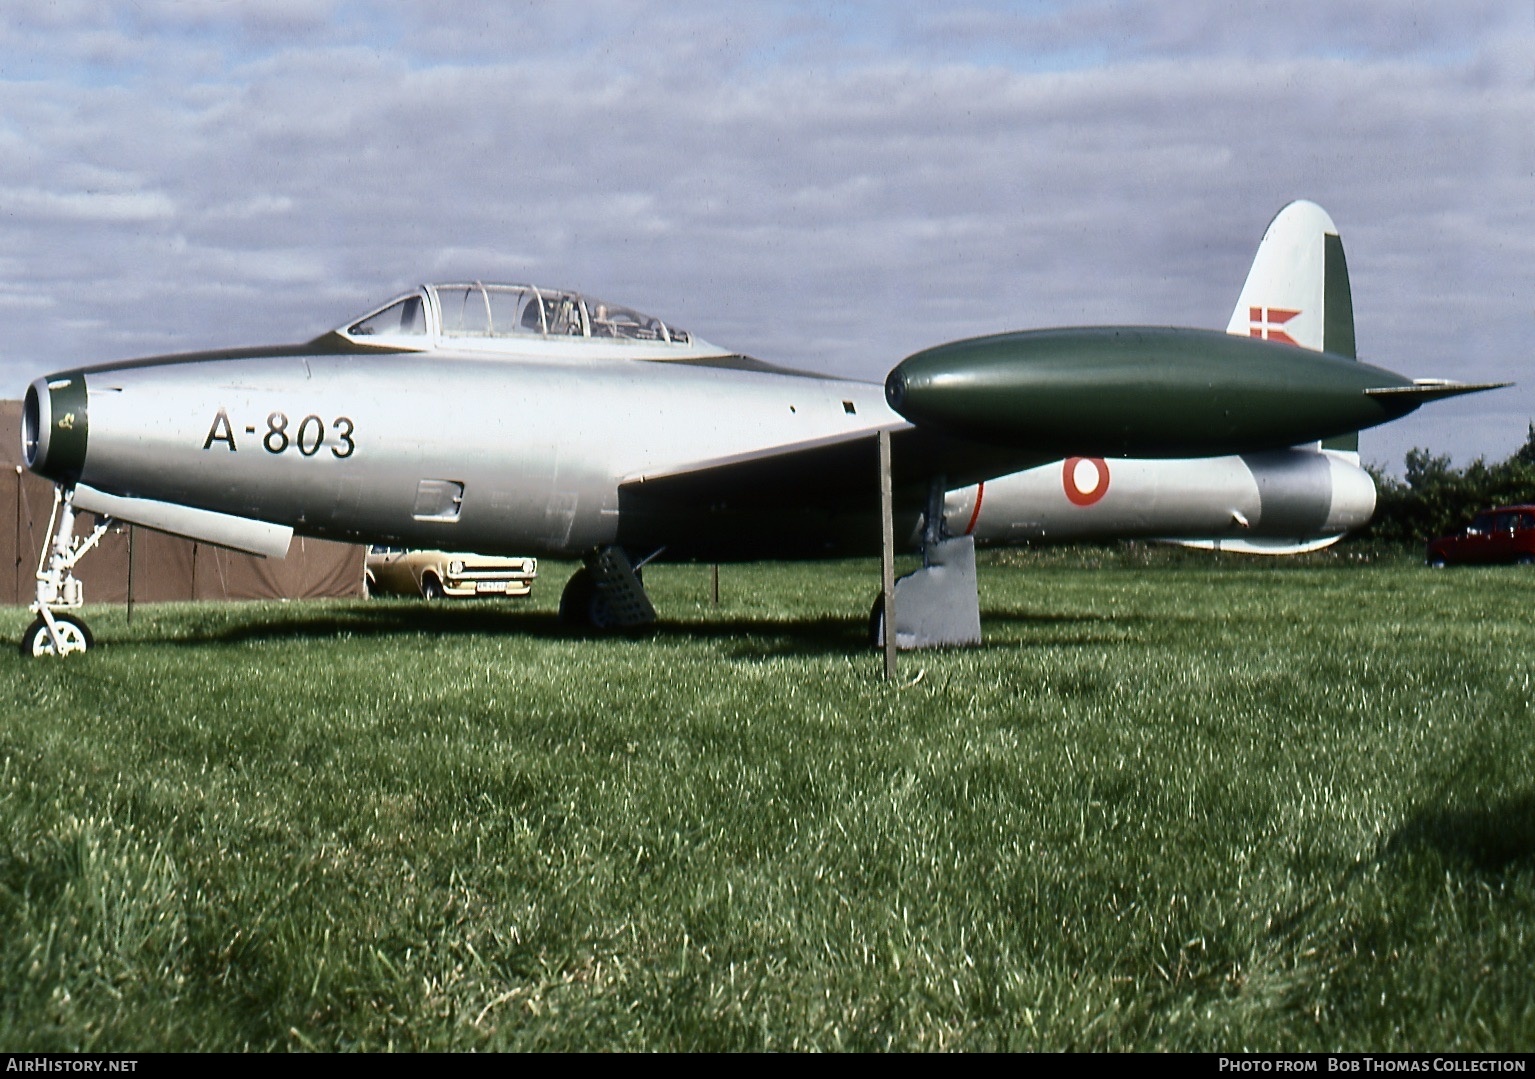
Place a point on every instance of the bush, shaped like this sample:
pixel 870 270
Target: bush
pixel 1434 498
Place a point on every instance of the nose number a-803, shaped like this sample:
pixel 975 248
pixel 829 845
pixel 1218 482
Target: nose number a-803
pixel 309 436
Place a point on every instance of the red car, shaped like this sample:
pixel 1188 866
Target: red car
pixel 1504 534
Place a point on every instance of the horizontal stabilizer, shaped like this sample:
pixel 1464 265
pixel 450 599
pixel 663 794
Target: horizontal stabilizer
pixel 206 526
pixel 1433 389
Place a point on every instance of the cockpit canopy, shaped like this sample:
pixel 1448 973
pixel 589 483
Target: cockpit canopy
pixel 481 311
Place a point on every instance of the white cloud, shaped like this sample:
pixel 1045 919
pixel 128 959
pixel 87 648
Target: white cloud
pixel 74 206
pixel 256 206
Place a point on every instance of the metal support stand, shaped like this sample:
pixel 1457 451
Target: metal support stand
pixel 939 605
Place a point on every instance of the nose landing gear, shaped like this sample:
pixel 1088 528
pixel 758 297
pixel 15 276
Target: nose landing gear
pixel 55 632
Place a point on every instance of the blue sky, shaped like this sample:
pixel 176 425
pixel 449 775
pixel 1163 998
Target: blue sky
pixel 829 186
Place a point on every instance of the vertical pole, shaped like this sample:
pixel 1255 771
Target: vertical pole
pixel 16 595
pixel 887 552
pixel 130 574
pixel 714 584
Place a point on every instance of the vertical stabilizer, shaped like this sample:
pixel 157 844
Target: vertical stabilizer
pixel 1337 302
pixel 1297 291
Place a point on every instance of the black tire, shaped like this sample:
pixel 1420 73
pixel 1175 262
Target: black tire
pixel 38 642
pixel 1525 560
pixel 583 606
pixel 369 586
pixel 876 620
pixel 1437 562
pixel 431 588
pixel 575 599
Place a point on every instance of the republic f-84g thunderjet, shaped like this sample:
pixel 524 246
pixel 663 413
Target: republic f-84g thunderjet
pixel 510 419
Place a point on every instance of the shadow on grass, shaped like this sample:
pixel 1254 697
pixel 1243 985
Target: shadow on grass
pixel 802 636
pixel 1491 839
pixel 740 637
pixel 1023 617
pixel 1019 629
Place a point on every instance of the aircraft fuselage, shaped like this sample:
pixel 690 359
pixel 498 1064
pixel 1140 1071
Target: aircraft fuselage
pixel 468 452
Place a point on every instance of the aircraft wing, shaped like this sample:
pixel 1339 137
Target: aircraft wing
pixel 839 468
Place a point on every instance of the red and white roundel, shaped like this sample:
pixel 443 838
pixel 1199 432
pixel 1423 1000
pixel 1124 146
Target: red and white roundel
pixel 1086 480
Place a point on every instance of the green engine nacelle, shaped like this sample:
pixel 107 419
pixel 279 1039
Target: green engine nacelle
pixel 1145 392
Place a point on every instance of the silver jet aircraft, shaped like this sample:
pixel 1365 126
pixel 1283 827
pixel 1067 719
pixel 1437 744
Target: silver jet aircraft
pixel 511 419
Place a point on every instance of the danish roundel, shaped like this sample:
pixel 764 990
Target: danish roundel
pixel 1086 479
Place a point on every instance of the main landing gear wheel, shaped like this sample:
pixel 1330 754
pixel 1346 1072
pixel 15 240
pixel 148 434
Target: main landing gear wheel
pixel 583 606
pixel 74 633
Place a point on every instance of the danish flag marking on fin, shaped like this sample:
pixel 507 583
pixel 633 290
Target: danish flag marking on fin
pixel 1265 322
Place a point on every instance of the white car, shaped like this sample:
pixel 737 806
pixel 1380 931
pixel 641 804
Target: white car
pixel 436 574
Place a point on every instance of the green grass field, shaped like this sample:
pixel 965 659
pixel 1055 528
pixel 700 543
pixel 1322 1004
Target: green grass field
pixel 1206 805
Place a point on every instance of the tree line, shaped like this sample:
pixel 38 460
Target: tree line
pixel 1434 498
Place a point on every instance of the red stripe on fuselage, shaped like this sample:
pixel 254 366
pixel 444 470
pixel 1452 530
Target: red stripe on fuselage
pixel 975 514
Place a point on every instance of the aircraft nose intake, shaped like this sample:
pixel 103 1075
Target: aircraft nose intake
pixel 54 427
